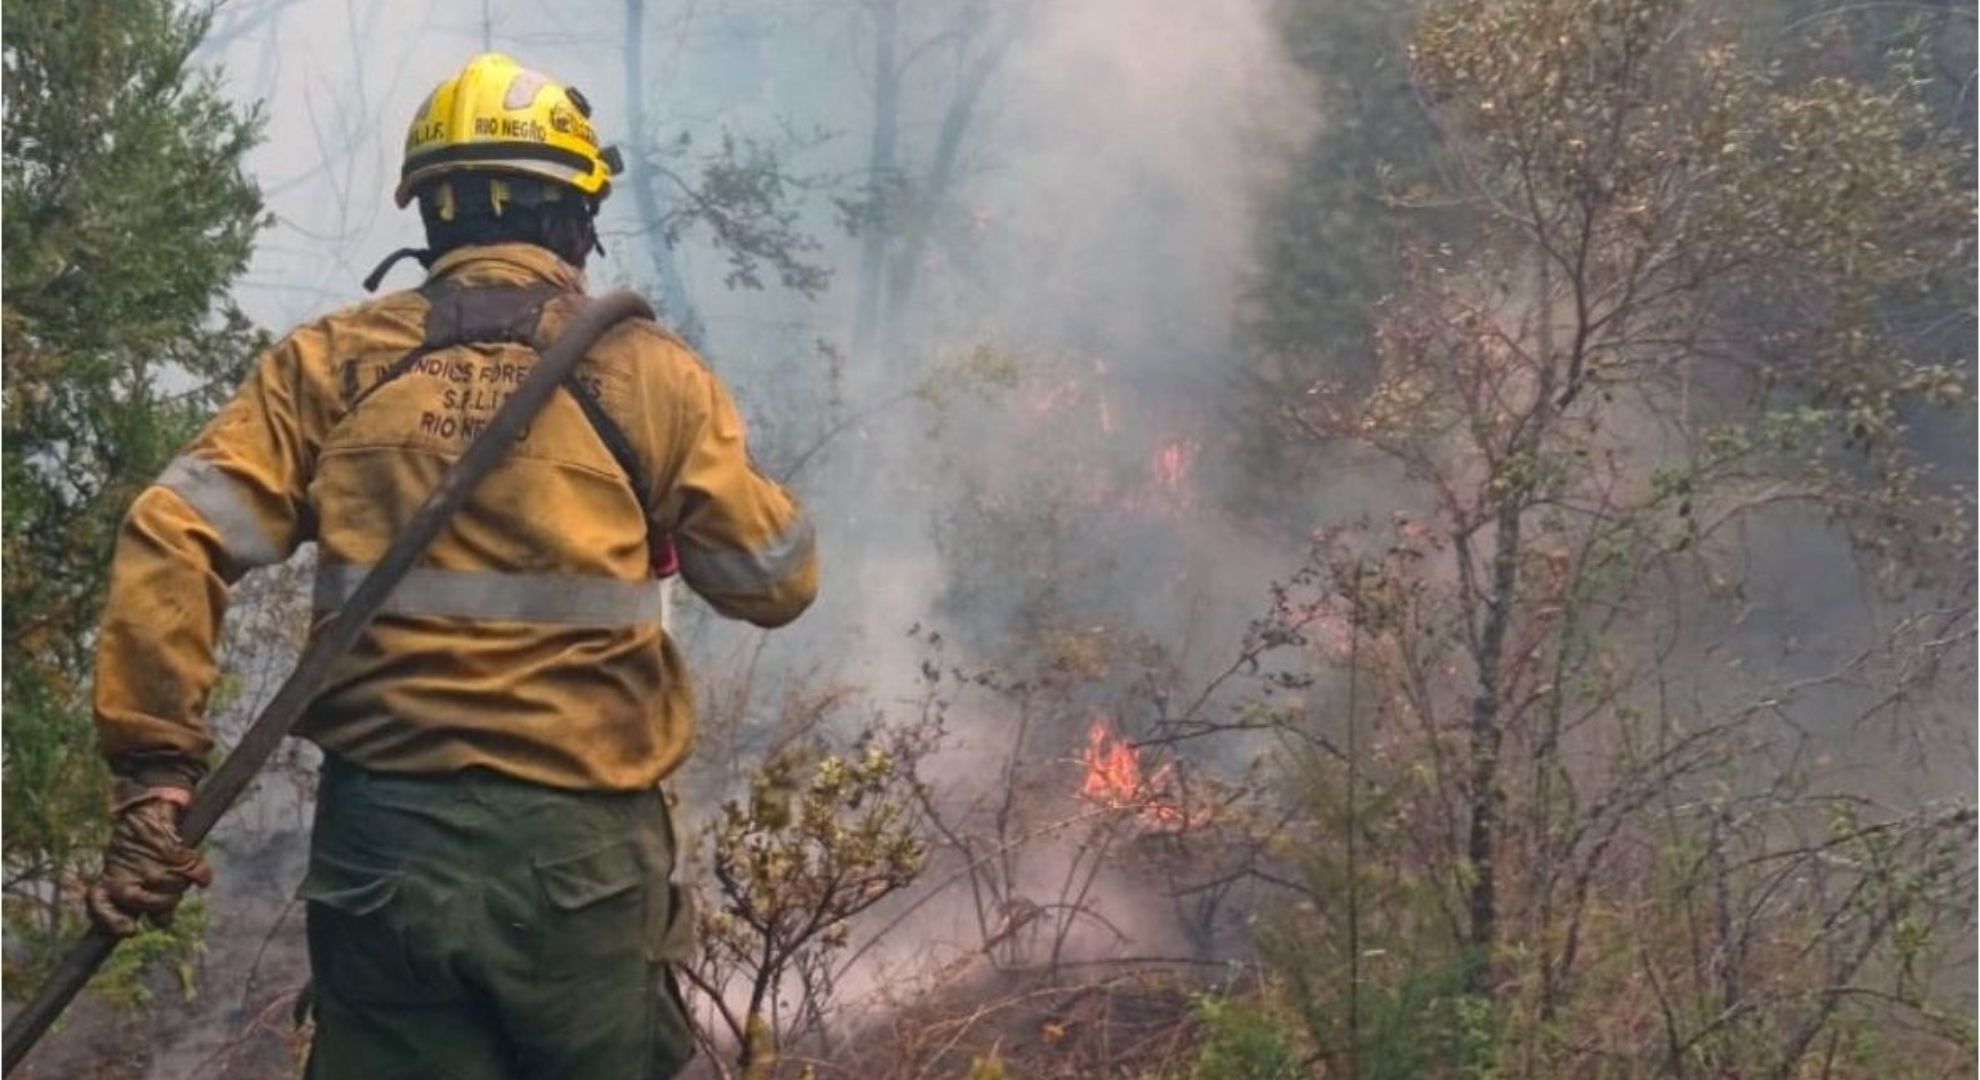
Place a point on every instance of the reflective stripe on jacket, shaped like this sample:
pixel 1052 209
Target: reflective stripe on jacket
pixel 529 638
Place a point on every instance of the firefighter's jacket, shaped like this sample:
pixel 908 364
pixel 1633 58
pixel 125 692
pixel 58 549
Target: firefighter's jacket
pixel 528 639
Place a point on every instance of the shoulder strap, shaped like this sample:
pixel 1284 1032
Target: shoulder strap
pixel 484 314
pixel 462 315
pixel 612 435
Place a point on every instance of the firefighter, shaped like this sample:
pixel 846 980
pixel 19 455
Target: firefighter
pixel 488 891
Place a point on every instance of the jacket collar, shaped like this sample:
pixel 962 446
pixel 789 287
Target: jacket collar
pixel 506 264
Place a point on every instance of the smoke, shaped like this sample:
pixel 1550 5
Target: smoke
pixel 1026 463
pixel 1095 233
pixel 1100 244
pixel 1128 156
pixel 1102 247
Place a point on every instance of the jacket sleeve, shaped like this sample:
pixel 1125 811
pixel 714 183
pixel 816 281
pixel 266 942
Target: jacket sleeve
pixel 232 500
pixel 744 543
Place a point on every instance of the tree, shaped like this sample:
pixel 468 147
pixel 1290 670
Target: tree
pixel 1644 187
pixel 905 201
pixel 128 217
pixel 678 308
pixel 740 190
pixel 1683 307
pixel 1329 240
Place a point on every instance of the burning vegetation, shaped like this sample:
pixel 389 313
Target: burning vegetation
pixel 1115 780
pixel 1484 595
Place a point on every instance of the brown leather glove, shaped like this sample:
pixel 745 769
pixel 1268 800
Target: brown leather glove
pixel 146 866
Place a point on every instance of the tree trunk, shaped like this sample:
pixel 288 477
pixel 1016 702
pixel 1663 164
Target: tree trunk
pixel 881 169
pixel 1481 848
pixel 905 268
pixel 1487 797
pixel 675 304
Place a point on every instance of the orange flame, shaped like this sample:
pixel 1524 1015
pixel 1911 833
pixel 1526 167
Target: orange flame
pixel 1114 778
pixel 1113 767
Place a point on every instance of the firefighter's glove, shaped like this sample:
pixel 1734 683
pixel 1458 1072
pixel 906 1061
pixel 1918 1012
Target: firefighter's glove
pixel 146 866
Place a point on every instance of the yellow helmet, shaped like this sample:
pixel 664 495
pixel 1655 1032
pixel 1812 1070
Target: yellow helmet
pixel 498 116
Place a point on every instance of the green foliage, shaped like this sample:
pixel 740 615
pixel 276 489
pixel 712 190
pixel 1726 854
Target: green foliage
pixel 126 978
pixel 1243 1041
pixel 128 216
pixel 1330 238
pixel 746 198
pixel 817 841
pixel 1410 1013
pixel 821 838
pixel 177 948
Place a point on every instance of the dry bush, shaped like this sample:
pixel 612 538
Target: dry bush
pixel 822 835
pixel 1568 815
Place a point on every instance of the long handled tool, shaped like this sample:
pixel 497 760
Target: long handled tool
pixel 218 793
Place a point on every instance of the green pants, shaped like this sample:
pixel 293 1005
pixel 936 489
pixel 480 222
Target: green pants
pixel 474 927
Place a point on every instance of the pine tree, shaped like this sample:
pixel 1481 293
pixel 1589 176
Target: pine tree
pixel 128 217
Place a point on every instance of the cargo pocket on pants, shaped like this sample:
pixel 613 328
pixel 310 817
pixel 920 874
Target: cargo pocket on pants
pixel 593 914
pixel 673 948
pixel 357 947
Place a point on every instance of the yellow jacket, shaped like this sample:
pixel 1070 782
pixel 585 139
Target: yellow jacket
pixel 529 638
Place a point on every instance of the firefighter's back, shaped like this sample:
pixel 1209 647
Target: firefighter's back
pixel 529 639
